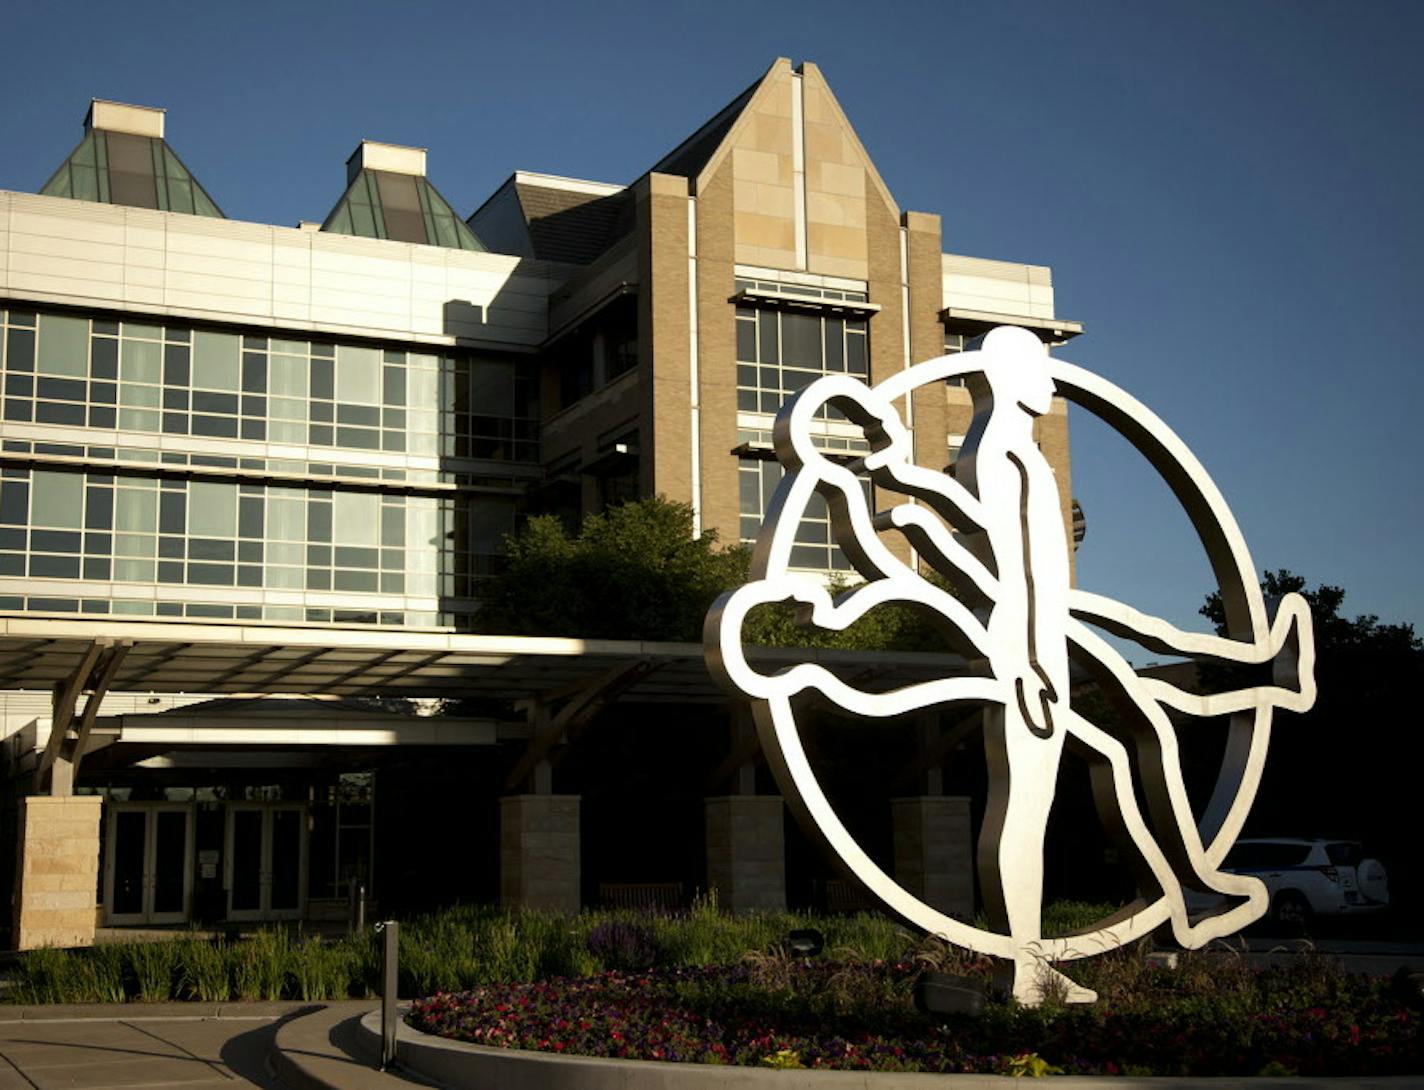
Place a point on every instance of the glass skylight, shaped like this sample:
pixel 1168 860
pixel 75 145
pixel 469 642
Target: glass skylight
pixel 403 207
pixel 138 171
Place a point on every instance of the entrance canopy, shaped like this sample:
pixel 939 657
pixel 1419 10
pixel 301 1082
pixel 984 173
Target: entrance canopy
pixel 559 685
pixel 218 659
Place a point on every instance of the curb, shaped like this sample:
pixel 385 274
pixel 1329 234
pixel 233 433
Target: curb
pixel 148 1012
pixel 324 1050
pixel 479 1067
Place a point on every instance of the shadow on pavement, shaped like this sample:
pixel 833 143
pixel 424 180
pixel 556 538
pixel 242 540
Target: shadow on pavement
pixel 246 1053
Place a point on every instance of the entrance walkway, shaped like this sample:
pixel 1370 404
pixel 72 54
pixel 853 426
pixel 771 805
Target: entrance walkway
pixel 182 1046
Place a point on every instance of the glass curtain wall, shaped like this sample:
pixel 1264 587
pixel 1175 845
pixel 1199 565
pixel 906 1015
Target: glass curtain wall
pixel 154 530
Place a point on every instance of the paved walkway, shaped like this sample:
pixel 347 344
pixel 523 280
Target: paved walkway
pixel 181 1046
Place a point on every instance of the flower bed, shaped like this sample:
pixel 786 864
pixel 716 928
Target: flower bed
pixel 1211 1017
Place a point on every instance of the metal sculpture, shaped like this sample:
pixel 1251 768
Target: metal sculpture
pixel 995 534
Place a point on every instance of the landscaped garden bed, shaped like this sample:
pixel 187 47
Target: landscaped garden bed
pixel 1210 1016
pixel 711 988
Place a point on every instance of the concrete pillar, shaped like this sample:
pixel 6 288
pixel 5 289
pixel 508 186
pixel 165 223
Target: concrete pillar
pixel 539 852
pixel 56 871
pixel 746 852
pixel 934 852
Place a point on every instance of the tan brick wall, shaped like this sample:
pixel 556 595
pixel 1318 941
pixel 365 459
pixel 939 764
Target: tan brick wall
pixel 664 337
pixel 763 209
pixel 717 356
pixel 56 871
pixel 746 852
pixel 539 855
pixel 934 852
pixel 923 264
pixel 887 341
pixel 838 189
pixel 1051 431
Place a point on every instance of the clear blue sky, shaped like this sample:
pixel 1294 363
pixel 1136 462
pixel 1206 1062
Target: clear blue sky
pixel 1231 194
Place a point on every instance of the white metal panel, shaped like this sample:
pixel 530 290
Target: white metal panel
pixel 58 250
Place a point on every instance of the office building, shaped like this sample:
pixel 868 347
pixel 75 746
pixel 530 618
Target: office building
pixel 251 478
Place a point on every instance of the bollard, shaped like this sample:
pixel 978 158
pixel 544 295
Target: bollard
pixel 389 931
pixel 356 907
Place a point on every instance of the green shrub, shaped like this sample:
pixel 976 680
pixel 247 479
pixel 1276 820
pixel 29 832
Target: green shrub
pixel 465 946
pixel 105 976
pixel 151 965
pixel 1069 917
pixel 322 970
pixel 261 964
pixel 204 971
pixel 38 976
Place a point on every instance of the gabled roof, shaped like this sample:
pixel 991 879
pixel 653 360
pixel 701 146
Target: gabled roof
pixel 124 159
pixel 388 196
pixel 571 220
pixel 689 157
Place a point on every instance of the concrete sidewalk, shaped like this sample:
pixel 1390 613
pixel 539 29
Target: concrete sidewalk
pixel 184 1046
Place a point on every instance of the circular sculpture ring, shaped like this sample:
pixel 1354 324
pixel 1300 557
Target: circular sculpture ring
pixel 995 532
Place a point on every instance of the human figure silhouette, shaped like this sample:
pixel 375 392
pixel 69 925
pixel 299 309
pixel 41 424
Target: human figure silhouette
pixel 995 530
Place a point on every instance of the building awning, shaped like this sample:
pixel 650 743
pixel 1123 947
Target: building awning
pixel 230 732
pixel 1059 329
pixel 221 659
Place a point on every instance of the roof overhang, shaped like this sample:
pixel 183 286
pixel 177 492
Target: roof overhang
pixel 785 300
pixel 1059 329
pixel 252 660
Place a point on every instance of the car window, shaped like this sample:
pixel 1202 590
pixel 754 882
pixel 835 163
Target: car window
pixel 1266 856
pixel 1344 854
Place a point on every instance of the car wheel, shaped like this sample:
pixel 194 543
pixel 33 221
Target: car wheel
pixel 1291 913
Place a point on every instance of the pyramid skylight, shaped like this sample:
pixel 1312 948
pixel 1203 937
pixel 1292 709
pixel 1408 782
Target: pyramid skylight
pixel 388 196
pixel 124 159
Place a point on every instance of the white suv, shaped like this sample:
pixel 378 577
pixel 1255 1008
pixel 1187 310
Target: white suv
pixel 1308 878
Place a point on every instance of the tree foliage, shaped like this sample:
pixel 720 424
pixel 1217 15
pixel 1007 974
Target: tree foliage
pixel 1349 767
pixel 633 572
pixel 1336 637
pixel 636 572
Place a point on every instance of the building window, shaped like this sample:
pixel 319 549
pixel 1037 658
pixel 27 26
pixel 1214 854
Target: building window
pixel 954 343
pixel 780 352
pixel 240 541
pixel 815 548
pixel 596 351
pixel 138 377
pixel 340 845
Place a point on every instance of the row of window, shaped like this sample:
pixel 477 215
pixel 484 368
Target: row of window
pixel 129 456
pixel 815 547
pixel 781 352
pixel 457 616
pixel 59 525
pixel 137 377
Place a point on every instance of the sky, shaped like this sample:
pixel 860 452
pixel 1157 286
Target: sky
pixel 1229 194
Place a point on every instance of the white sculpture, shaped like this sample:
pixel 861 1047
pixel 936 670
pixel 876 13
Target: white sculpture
pixel 995 532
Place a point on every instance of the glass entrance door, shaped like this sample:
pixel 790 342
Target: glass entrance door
pixel 266 860
pixel 149 875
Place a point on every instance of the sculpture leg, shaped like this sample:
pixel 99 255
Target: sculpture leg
pixel 1023 771
pixel 1119 780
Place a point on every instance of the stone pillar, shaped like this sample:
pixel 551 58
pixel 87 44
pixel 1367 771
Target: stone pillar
pixel 934 852
pixel 539 852
pixel 56 871
pixel 746 852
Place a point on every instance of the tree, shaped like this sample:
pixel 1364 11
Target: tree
pixel 1350 766
pixel 636 572
pixel 633 572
